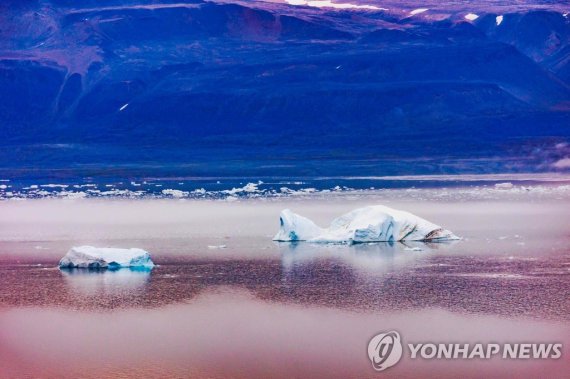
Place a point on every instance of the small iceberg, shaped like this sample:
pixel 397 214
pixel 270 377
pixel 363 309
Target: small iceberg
pixel 111 258
pixel 370 224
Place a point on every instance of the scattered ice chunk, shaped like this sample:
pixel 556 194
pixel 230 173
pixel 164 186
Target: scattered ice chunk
pixel 471 16
pixel 217 246
pixel 248 188
pixel 123 107
pixel 175 193
pixel 254 190
pixel 52 186
pixel 3 186
pixel 506 185
pixel 370 224
pixel 499 19
pixel 72 195
pixel 413 248
pixel 94 257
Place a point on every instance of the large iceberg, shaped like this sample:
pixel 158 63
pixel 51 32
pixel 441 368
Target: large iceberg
pixel 112 258
pixel 370 224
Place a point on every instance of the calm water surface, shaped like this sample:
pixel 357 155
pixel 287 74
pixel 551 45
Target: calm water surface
pixel 262 309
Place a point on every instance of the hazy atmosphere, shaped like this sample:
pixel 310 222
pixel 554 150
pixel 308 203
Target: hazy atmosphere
pixel 279 189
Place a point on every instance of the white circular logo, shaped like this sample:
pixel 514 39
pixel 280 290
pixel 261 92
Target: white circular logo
pixel 385 350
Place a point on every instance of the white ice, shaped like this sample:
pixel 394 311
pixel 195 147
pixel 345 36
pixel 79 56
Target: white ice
pixel 499 19
pixel 248 188
pixel 175 193
pixel 418 11
pixel 376 223
pixel 217 246
pixel 504 186
pixel 95 257
pixel 471 16
pixel 330 4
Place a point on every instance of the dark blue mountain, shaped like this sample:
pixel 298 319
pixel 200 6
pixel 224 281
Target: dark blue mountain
pixel 223 88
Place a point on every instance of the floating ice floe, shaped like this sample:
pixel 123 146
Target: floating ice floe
pixel 248 188
pixel 113 258
pixel 53 186
pixel 175 193
pixel 506 185
pixel 370 224
pixel 217 246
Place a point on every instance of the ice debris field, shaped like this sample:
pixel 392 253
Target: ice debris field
pixel 445 187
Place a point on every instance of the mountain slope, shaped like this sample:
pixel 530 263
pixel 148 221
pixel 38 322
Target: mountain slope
pixel 202 76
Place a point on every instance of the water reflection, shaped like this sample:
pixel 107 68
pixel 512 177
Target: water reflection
pixel 231 333
pixel 368 259
pixel 374 277
pixel 106 282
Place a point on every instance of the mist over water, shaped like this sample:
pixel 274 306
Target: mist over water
pixel 184 128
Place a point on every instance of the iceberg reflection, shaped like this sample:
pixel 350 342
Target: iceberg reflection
pixel 107 282
pixel 378 257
